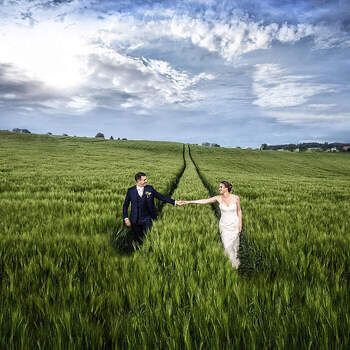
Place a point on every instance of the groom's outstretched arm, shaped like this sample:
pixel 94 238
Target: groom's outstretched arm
pixel 126 205
pixel 163 198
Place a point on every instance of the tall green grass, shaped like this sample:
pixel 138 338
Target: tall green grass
pixel 69 288
pixel 64 185
pixel 296 220
pixel 61 203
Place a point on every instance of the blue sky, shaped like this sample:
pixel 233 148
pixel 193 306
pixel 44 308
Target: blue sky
pixel 237 73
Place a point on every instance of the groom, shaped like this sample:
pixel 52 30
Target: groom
pixel 143 210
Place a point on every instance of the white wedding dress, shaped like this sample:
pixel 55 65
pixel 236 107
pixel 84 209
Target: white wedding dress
pixel 229 231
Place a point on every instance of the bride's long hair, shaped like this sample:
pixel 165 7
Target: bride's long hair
pixel 227 185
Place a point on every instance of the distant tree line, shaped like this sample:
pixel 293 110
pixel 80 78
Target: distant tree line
pixel 100 135
pixel 301 147
pixel 210 144
pixel 23 131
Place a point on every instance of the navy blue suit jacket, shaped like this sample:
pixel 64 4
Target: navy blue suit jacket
pixel 150 192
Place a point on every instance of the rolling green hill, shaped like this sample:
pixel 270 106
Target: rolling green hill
pixel 66 282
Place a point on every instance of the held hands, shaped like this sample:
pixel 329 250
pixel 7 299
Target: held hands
pixel 181 203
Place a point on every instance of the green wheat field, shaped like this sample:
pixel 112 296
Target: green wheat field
pixel 71 278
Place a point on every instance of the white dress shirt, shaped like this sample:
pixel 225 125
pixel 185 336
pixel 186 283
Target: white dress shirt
pixel 140 190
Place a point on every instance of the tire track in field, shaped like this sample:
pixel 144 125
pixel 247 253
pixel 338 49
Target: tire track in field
pixel 175 182
pixel 250 259
pixel 122 237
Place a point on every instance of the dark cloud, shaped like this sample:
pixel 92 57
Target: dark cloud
pixel 54 3
pixel 19 92
pixel 270 10
pixel 28 16
pixel 267 11
pixel 59 2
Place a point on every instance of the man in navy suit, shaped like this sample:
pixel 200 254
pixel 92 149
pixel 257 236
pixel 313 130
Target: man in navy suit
pixel 143 210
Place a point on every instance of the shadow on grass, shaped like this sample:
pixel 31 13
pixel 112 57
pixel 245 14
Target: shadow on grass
pixel 123 240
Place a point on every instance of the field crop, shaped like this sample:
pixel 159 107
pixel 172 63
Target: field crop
pixel 296 227
pixel 66 281
pixel 60 205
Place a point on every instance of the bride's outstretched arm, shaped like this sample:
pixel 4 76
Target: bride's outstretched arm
pixel 203 201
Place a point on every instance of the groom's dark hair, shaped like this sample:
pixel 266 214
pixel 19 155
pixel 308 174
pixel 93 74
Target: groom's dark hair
pixel 139 175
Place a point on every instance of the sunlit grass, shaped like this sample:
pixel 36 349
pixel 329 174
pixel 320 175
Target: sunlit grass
pixel 63 284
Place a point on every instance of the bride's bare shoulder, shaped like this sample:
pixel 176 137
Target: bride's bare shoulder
pixel 218 198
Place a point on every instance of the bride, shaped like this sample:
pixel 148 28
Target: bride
pixel 230 224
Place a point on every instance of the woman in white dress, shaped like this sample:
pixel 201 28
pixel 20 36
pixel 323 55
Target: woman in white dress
pixel 230 224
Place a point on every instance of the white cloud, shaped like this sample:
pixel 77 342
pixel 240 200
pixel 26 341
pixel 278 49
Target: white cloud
pixel 78 64
pixel 293 33
pixel 275 88
pixel 287 117
pixel 143 82
pixel 47 52
pixel 80 104
pixel 111 80
pixel 321 106
pixel 8 96
pixel 20 89
pixel 228 38
pixel 330 36
pixel 142 112
pixel 87 61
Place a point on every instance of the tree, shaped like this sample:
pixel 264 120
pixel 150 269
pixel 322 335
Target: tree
pixel 23 131
pixel 302 148
pixel 99 134
pixel 214 145
pixel 291 147
pixel 263 146
pixel 111 138
pixel 205 144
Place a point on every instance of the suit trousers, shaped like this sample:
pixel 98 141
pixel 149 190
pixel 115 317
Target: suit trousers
pixel 140 227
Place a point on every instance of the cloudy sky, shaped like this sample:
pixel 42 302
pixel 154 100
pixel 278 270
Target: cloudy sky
pixel 238 73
